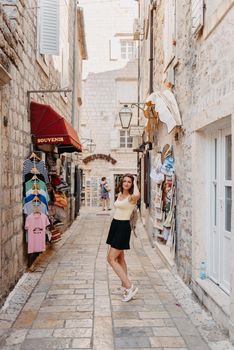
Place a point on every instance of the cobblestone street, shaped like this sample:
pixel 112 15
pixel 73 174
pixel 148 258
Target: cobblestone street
pixel 66 303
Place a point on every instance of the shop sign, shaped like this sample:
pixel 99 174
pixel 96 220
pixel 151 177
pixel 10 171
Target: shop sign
pixel 108 158
pixel 50 139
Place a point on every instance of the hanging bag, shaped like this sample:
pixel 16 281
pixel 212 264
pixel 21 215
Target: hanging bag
pixel 133 220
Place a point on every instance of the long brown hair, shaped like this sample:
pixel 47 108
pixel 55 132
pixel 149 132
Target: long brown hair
pixel 121 183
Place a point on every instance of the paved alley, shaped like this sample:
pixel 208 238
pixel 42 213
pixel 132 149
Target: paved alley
pixel 66 303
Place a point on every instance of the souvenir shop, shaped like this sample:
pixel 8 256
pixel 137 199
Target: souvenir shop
pixel 163 184
pixel 159 168
pixel 51 180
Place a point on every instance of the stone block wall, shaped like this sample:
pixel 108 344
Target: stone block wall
pixel 203 87
pixel 18 55
pixel 182 147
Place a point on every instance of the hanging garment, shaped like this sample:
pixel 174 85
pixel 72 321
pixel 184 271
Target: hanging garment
pixel 37 192
pixel 168 222
pixel 60 212
pixel 37 165
pixel 167 195
pixel 36 224
pixel 33 177
pixel 55 180
pixel 62 187
pixel 29 207
pixel 60 200
pixel 166 233
pixel 168 167
pixel 156 174
pixel 36 183
pixel 32 197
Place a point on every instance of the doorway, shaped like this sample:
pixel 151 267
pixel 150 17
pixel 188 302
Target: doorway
pixel 117 179
pixel 221 204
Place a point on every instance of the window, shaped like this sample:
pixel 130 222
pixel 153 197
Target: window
pixel 123 49
pixel 127 49
pixel 125 139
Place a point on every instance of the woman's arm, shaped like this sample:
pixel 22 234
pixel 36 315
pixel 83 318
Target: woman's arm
pixel 136 193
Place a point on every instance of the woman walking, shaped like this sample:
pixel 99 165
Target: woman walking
pixel 104 193
pixel 120 231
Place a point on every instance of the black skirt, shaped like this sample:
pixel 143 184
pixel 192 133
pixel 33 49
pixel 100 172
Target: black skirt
pixel 119 234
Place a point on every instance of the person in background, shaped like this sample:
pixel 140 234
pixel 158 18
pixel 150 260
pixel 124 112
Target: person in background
pixel 120 232
pixel 104 193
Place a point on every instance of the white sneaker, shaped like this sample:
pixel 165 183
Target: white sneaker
pixel 118 291
pixel 129 293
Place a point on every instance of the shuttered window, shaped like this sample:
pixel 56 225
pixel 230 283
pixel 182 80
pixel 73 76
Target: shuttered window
pixel 48 22
pixel 197 15
pixel 169 32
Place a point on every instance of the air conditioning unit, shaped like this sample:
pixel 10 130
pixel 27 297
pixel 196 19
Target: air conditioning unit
pixel 136 29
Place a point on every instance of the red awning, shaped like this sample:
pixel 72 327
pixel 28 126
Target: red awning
pixel 48 127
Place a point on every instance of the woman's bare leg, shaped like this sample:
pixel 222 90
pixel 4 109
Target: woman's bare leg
pixel 122 262
pixel 113 260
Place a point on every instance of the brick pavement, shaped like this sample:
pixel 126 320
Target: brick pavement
pixel 66 303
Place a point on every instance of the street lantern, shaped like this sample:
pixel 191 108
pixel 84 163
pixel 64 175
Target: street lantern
pixel 91 146
pixel 125 116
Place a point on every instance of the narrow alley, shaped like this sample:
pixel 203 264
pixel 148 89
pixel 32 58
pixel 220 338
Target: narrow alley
pixel 66 302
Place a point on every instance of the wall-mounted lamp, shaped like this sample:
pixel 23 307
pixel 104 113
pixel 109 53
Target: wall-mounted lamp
pixel 91 145
pixel 125 116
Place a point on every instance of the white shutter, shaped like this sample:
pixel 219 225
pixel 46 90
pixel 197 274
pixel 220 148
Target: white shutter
pixel 169 32
pixel 49 27
pixel 114 49
pixel 114 139
pixel 197 15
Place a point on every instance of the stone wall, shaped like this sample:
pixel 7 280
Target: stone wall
pixel 203 86
pixel 18 55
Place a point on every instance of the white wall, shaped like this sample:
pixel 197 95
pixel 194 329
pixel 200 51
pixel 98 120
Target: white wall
pixel 103 20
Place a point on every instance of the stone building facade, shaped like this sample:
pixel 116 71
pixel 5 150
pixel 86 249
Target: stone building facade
pixel 100 122
pixel 184 41
pixel 110 77
pixel 23 68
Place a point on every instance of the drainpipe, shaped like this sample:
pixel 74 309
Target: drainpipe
pixel 151 59
pixel 74 84
pixel 138 98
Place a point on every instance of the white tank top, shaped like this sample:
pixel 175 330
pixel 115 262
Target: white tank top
pixel 123 209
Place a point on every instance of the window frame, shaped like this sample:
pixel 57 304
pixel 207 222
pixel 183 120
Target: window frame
pixel 126 144
pixel 129 43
